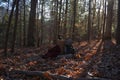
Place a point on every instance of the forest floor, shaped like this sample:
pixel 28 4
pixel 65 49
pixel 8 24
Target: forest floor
pixel 94 61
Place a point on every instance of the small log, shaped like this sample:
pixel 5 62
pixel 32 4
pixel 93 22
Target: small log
pixel 40 73
pixel 37 73
pixel 53 76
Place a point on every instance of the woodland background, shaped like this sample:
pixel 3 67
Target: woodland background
pixel 28 27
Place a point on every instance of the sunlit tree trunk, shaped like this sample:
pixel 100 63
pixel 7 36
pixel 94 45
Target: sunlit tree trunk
pixel 38 25
pixel 104 19
pixel 50 36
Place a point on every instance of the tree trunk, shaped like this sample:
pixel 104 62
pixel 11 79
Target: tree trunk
pixel 15 26
pixel 99 19
pixel 74 19
pixel 89 22
pixel 56 22
pixel 42 20
pixel 65 23
pixel 93 27
pixel 108 32
pixel 59 18
pixel 104 19
pixel 31 27
pixel 8 6
pixel 38 25
pixel 24 28
pixel 118 25
pixel 20 27
pixel 8 28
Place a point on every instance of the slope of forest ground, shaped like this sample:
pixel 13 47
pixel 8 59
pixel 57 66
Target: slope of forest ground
pixel 95 61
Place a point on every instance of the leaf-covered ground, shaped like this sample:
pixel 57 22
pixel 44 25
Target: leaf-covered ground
pixel 89 61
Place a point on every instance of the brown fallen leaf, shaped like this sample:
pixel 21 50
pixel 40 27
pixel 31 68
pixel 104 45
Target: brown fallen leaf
pixel 47 75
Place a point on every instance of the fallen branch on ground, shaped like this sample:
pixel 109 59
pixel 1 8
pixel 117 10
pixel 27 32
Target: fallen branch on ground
pixel 40 73
pixel 49 75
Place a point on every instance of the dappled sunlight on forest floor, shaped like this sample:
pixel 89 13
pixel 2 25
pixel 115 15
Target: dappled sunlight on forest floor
pixel 28 61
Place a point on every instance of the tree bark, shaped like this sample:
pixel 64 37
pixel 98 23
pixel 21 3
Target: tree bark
pixel 24 27
pixel 20 27
pixel 38 24
pixel 55 22
pixel 98 21
pixel 59 17
pixel 89 22
pixel 15 26
pixel 8 28
pixel 74 19
pixel 118 25
pixel 65 27
pixel 108 32
pixel 42 20
pixel 104 19
pixel 31 27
